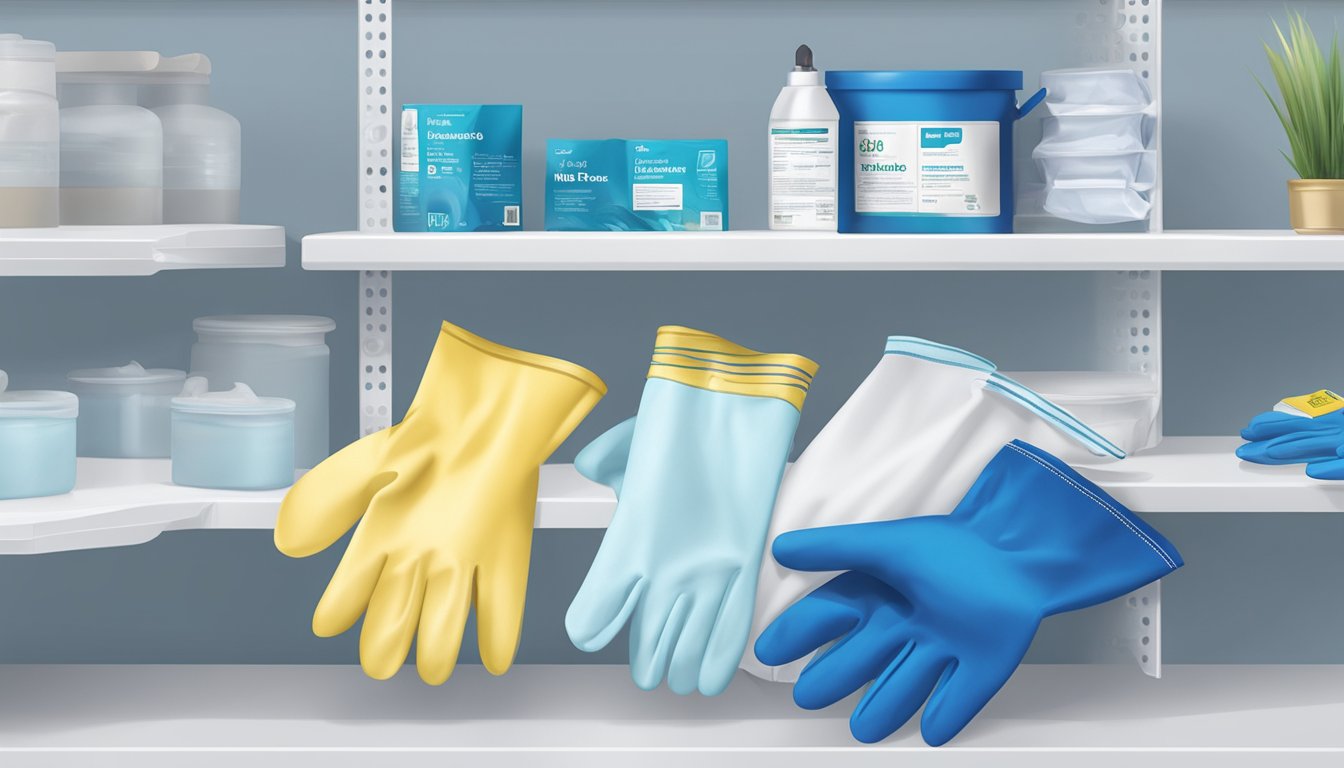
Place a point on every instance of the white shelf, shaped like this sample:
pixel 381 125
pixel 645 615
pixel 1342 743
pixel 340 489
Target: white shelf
pixel 747 250
pixel 138 250
pixel 308 715
pixel 118 502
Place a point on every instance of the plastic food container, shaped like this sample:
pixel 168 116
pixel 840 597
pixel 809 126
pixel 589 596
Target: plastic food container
pixel 37 442
pixel 927 151
pixel 1121 406
pixel 30 134
pixel 277 356
pixel 1094 91
pixel 124 411
pixel 232 440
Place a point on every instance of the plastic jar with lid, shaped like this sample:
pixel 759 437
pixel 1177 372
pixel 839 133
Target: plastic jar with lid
pixel 111 147
pixel 30 134
pixel 232 440
pixel 37 442
pixel 123 411
pixel 202 145
pixel 277 356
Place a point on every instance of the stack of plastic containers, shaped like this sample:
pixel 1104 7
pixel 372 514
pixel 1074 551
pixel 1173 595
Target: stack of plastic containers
pixel 111 147
pixel 29 134
pixel 202 145
pixel 1096 147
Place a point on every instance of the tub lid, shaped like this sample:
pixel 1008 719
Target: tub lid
pixel 272 329
pixel 38 403
pixel 1065 387
pixel 925 80
pixel 130 373
pixel 239 401
pixel 14 47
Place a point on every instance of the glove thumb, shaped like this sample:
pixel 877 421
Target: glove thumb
pixel 603 460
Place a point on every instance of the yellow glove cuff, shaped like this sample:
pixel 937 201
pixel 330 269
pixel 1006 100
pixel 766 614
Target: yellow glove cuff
pixel 533 359
pixel 706 361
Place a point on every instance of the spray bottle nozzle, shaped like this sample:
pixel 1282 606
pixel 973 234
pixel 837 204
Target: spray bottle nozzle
pixel 802 60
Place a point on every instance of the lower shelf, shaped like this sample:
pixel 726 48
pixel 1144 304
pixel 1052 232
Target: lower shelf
pixel 1047 715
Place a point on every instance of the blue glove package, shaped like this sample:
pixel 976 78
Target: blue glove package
pixel 941 609
pixel 647 185
pixel 696 473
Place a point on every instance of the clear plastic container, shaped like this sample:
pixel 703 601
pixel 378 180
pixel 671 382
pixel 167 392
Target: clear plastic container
pixel 202 145
pixel 37 442
pixel 124 411
pixel 1121 406
pixel 231 440
pixel 277 356
pixel 30 135
pixel 111 148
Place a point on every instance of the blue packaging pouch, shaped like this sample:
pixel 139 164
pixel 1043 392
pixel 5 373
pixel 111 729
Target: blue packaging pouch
pixel 461 168
pixel 636 185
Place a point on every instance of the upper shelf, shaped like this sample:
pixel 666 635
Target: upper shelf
pixel 138 250
pixel 788 251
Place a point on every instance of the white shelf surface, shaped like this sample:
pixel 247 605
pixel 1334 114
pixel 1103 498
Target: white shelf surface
pixel 1046 715
pixel 119 502
pixel 1271 250
pixel 138 250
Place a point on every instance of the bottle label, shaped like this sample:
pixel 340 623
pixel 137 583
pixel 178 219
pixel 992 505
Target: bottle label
pixel 803 175
pixel 912 168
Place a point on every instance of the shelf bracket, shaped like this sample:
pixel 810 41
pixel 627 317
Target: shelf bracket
pixel 375 210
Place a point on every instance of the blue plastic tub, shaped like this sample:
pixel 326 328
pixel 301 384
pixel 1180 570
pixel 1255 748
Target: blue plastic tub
pixel 927 151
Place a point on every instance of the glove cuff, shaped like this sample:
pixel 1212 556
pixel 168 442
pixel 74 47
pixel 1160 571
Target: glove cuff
pixel 706 361
pixel 533 359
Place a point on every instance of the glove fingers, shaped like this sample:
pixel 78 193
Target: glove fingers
pixel 442 622
pixel 728 639
pixel 854 661
pixel 329 499
pixel 897 694
pixel 603 460
pixel 1302 447
pixel 683 673
pixel 601 608
pixel 1331 469
pixel 654 632
pixel 960 696
pixel 829 548
pixel 1272 424
pixel 391 620
pixel 819 617
pixel 348 592
pixel 500 595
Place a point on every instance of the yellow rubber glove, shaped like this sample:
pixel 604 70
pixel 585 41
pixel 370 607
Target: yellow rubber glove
pixel 447 500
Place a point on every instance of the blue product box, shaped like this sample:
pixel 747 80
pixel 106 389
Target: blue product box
pixel 614 184
pixel 461 168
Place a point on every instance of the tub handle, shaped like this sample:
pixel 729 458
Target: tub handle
pixel 1030 104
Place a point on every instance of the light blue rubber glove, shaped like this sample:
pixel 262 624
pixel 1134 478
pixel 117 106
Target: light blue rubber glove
pixel 1284 438
pixel 942 608
pixel 679 561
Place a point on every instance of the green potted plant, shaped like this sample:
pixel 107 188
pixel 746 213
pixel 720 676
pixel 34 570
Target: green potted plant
pixel 1311 108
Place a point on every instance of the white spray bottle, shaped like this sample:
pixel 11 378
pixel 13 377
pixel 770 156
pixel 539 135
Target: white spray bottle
pixel 803 141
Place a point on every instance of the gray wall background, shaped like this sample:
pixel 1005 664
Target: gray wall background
pixel 1258 588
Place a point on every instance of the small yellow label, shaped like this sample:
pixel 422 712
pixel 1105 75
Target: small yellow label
pixel 1316 403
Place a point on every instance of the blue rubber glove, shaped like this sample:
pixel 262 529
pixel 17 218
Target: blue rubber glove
pixel 1283 438
pixel 1331 468
pixel 943 608
pixel 696 475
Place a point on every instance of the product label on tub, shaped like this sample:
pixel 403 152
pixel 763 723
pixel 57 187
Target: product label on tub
pixel 947 169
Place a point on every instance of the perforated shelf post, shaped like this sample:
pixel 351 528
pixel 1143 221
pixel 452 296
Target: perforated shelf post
pixel 375 211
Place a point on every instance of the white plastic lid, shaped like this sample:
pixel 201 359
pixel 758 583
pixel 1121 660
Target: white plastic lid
pixel 130 373
pixel 36 403
pixel 1064 387
pixel 189 68
pixel 27 65
pixel 282 330
pixel 103 66
pixel 239 401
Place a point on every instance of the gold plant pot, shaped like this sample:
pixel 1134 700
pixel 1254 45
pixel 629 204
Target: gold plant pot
pixel 1316 206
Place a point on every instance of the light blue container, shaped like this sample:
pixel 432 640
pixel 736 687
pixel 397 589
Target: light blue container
pixel 927 151
pixel 37 442
pixel 124 411
pixel 232 440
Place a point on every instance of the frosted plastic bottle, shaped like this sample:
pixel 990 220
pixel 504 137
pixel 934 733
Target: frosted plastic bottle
pixel 202 145
pixel 111 147
pixel 30 136
pixel 804 144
